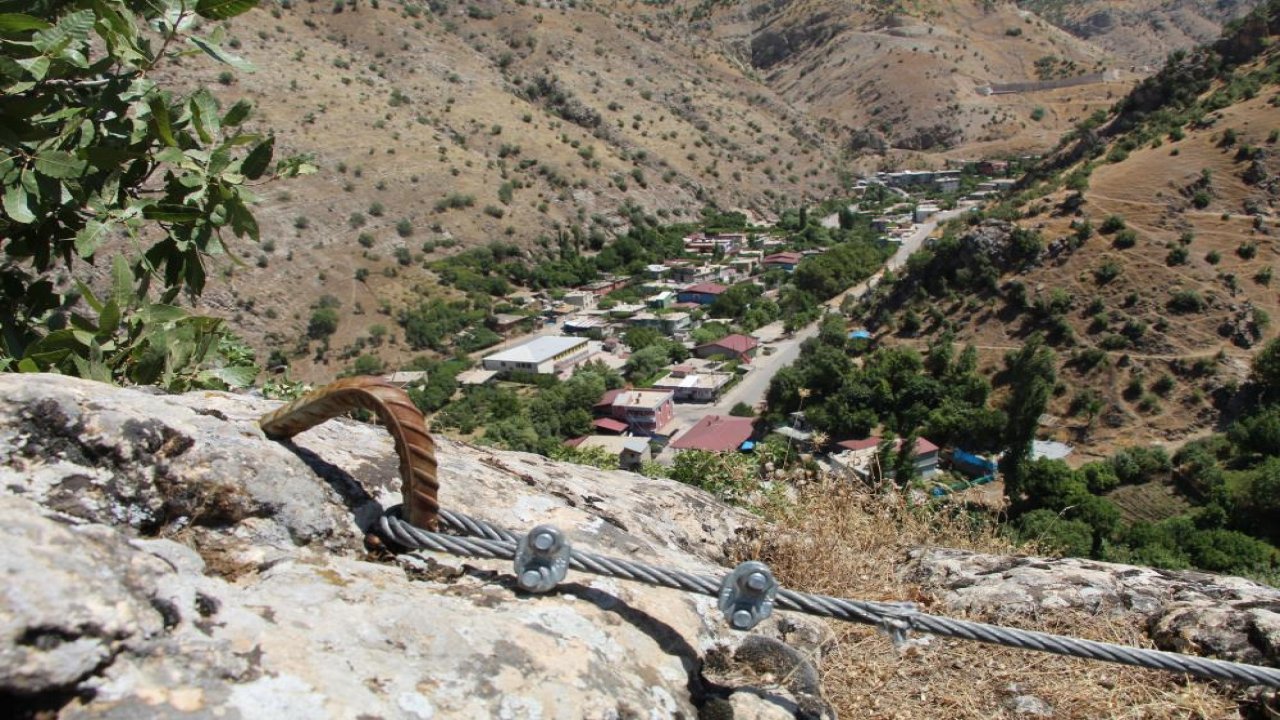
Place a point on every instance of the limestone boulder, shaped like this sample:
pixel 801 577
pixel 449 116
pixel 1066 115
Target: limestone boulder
pixel 1184 611
pixel 165 559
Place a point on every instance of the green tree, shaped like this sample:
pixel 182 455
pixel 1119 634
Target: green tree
pixel 1071 538
pixel 95 147
pixel 646 362
pixel 1266 370
pixel 639 338
pixel 1033 373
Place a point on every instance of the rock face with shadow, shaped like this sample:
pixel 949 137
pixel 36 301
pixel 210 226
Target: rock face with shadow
pixel 162 558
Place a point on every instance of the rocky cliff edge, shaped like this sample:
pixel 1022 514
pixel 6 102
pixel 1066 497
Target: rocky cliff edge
pixel 163 558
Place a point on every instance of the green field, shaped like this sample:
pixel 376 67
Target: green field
pixel 1149 502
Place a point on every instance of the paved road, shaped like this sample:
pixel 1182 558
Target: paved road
pixel 755 385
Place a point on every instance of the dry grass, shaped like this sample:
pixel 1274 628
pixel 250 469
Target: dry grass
pixel 845 542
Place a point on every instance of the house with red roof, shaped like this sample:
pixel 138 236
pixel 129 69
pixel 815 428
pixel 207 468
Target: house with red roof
pixel 731 347
pixel 860 456
pixel 783 260
pixel 701 293
pixel 717 433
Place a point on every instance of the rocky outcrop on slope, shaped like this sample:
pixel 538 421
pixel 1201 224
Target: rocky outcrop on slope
pixel 163 558
pixel 1184 611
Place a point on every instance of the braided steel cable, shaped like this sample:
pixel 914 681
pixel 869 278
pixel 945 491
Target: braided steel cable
pixel 418 471
pixel 485 540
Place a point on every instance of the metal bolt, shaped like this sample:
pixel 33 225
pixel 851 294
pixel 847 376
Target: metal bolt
pixel 544 541
pixel 530 578
pixel 757 581
pixel 742 619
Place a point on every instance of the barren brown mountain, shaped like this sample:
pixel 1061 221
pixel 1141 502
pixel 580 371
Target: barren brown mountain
pixel 444 125
pixel 1158 226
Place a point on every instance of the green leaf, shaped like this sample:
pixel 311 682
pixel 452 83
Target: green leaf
pixel 258 159
pixel 159 313
pixel 242 221
pixel 90 237
pixel 59 164
pixel 15 205
pixel 160 115
pixel 37 67
pixel 89 297
pixel 238 113
pixel 235 377
pixel 223 9
pixel 217 53
pixel 12 23
pixel 121 282
pixel 172 213
pixel 205 110
pixel 108 320
pixel 72 27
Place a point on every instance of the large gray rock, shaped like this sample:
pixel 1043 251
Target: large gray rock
pixel 1184 611
pixel 163 558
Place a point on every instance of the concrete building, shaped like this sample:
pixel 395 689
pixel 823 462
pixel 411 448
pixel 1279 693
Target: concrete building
pixel 661 301
pixel 924 211
pixel 507 322
pixel 631 452
pixel 544 355
pixel 688 385
pixel 726 243
pixel 645 412
pixel 580 300
pixel 667 324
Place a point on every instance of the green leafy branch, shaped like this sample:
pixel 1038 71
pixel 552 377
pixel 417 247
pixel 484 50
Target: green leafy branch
pixel 92 150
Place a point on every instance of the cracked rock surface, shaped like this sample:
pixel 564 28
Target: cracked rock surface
pixel 1185 611
pixel 162 558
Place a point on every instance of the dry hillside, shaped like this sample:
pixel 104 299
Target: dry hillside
pixel 442 125
pixel 909 75
pixel 1156 309
pixel 1143 32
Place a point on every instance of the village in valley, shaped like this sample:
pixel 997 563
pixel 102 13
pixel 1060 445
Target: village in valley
pixel 708 390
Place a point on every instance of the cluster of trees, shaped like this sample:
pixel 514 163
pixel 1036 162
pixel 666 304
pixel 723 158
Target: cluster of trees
pixel 439 324
pixel 650 352
pixel 533 418
pixel 940 395
pixel 1234 480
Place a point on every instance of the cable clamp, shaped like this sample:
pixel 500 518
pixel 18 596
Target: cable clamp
pixel 542 559
pixel 896 621
pixel 747 595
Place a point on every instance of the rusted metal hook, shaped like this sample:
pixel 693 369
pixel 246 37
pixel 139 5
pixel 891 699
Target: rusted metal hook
pixel 398 414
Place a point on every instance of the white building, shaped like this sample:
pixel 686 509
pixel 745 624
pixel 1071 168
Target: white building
pixel 544 355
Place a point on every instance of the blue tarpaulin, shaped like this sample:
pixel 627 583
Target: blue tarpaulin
pixel 859 335
pixel 975 461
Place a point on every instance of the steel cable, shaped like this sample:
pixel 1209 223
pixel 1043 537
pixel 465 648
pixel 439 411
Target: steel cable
pixel 484 540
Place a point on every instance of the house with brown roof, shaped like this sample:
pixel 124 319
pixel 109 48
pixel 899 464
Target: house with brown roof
pixel 730 347
pixel 717 433
pixel 782 261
